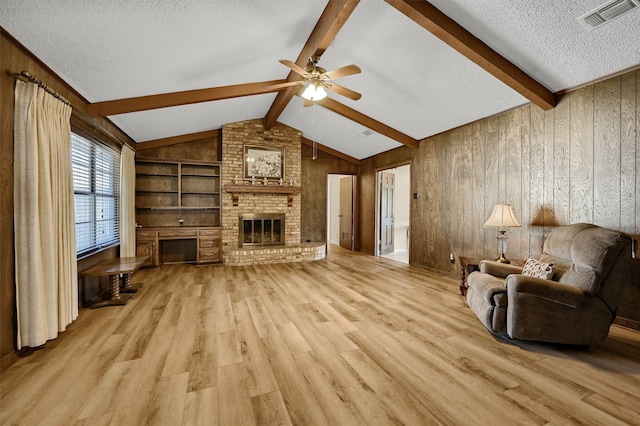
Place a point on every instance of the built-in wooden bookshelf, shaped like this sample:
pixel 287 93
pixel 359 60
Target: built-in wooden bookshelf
pixel 178 210
pixel 175 193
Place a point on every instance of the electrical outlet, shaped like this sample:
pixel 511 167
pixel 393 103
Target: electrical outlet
pixel 452 258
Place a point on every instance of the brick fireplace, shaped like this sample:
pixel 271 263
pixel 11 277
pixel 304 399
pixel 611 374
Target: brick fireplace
pixel 269 198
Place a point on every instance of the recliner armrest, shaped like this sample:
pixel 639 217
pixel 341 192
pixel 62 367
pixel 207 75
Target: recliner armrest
pixel 545 289
pixel 497 269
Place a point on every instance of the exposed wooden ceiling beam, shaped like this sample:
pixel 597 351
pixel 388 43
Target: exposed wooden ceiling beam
pixel 143 103
pixel 332 151
pixel 368 122
pixel 429 17
pixel 333 17
pixel 173 140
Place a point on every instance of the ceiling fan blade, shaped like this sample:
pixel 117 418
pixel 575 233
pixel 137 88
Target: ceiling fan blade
pixel 306 103
pixel 342 72
pixel 341 90
pixel 297 69
pixel 281 85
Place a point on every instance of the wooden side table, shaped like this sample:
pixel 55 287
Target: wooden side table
pixel 467 266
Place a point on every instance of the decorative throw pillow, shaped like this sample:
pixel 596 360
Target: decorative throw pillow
pixel 535 268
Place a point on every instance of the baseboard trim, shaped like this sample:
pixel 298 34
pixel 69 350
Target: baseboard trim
pixel 628 323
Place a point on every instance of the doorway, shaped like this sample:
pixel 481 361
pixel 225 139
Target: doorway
pixel 393 201
pixel 340 212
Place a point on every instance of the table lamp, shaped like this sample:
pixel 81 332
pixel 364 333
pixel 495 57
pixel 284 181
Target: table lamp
pixel 502 218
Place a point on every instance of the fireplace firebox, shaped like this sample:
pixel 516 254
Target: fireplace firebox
pixel 261 229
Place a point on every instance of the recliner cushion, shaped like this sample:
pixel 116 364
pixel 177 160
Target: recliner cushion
pixel 583 254
pixel 489 288
pixel 594 252
pixel 487 298
pixel 560 241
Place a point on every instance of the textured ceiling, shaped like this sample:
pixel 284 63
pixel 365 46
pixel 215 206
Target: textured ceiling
pixel 410 80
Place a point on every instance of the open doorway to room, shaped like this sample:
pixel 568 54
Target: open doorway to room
pixel 340 210
pixel 393 200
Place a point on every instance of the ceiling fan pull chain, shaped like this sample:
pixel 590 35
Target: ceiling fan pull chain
pixel 314 154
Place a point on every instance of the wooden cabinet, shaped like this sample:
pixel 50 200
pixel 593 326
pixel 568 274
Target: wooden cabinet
pixel 209 245
pixel 177 193
pixel 148 248
pixel 467 266
pixel 179 245
pixel 178 211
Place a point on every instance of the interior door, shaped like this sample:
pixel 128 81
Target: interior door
pixel 346 212
pixel 387 187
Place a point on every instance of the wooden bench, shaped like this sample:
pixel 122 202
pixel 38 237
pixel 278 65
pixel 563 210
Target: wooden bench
pixel 124 266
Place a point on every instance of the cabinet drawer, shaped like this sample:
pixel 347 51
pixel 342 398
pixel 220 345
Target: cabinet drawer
pixel 209 242
pixel 177 234
pixel 149 235
pixel 209 233
pixel 209 255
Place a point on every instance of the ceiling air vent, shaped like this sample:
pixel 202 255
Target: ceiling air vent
pixel 607 12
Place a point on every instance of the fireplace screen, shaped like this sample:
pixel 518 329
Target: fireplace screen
pixel 261 229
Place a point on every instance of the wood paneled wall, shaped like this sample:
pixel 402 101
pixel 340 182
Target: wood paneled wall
pixel 313 214
pixel 14 58
pixel 579 162
pixel 207 149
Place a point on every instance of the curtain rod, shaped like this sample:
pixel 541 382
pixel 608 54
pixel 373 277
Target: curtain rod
pixel 25 75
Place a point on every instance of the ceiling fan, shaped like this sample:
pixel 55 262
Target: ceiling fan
pixel 316 80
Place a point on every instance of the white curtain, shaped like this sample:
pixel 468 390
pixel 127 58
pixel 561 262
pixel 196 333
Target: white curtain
pixel 127 202
pixel 45 242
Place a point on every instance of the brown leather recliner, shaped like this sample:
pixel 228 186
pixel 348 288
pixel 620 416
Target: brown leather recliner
pixel 576 306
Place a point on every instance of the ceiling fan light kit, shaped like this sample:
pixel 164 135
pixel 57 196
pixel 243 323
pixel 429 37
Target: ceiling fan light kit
pixel 314 92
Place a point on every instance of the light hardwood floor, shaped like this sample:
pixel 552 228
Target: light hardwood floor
pixel 348 340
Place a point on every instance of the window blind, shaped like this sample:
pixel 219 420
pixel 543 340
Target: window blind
pixel 96 186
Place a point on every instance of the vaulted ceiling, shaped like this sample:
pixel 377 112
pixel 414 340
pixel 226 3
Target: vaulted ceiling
pixel 161 69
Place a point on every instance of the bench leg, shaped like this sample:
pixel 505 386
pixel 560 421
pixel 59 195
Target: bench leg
pixel 116 298
pixel 127 286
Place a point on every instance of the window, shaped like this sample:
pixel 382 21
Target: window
pixel 96 187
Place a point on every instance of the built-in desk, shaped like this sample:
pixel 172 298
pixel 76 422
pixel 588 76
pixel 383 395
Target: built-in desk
pixel 183 244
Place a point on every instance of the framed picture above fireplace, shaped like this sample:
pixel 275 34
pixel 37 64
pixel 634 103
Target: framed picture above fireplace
pixel 262 162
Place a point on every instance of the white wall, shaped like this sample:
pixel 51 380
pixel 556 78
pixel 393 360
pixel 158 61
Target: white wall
pixel 401 204
pixel 333 208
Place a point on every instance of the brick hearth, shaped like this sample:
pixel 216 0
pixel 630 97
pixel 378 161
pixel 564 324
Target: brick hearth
pixel 304 252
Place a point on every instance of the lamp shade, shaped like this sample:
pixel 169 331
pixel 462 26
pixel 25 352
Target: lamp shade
pixel 502 217
pixel 314 92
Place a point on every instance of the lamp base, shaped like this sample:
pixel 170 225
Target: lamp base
pixel 503 259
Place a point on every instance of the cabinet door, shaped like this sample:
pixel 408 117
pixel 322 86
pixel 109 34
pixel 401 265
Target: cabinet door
pixel 148 248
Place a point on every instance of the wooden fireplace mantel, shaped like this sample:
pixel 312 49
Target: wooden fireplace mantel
pixel 236 190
